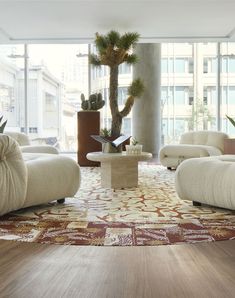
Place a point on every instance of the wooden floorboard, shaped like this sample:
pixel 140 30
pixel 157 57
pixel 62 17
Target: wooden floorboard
pixel 40 270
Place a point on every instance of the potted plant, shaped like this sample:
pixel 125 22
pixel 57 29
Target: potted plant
pixel 114 49
pixel 105 132
pixel 89 124
pixel 2 125
pixel 134 147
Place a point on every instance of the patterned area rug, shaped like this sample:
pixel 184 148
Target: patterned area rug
pixel 151 214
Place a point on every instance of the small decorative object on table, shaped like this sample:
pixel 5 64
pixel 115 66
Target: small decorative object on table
pixel 105 132
pixel 111 146
pixel 134 148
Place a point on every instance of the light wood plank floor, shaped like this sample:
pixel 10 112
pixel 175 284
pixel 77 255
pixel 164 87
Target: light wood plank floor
pixel 39 270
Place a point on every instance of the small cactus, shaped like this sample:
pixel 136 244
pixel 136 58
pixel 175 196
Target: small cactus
pixel 94 102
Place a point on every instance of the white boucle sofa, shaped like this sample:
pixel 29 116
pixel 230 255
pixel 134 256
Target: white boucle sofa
pixel 193 144
pixel 28 179
pixel 25 145
pixel 208 180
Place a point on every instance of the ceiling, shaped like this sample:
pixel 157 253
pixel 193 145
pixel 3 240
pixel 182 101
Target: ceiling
pixel 52 21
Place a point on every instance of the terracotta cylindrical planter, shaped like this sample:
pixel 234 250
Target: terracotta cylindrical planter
pixel 229 146
pixel 88 124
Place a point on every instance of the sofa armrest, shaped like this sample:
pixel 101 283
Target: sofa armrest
pixel 21 138
pixel 51 177
pixel 39 149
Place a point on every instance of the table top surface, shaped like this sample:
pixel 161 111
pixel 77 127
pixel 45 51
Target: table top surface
pixel 100 156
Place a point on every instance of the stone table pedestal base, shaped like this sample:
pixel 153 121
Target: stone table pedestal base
pixel 119 170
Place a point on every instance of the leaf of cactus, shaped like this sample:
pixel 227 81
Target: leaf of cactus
pixel 94 60
pixel 128 39
pixel 136 88
pixel 99 96
pixel 101 42
pixel 2 127
pixel 82 97
pixel 231 120
pixel 131 59
pixel 113 37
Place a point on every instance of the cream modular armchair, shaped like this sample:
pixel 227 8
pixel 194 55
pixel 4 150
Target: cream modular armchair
pixel 208 180
pixel 28 179
pixel 193 144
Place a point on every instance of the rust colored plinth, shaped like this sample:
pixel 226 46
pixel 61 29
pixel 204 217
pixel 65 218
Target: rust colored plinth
pixel 88 124
pixel 229 146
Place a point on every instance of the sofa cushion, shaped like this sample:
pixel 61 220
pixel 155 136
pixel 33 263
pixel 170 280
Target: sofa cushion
pixel 21 138
pixel 208 138
pixel 25 146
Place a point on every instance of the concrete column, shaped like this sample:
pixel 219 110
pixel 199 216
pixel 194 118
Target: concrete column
pixel 146 117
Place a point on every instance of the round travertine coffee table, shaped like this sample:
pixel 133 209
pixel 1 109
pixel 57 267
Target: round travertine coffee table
pixel 119 170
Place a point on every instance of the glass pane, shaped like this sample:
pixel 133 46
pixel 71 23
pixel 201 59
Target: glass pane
pixel 227 86
pixel 231 95
pixel 122 95
pixel 180 65
pixel 180 94
pixel 176 95
pixel 12 87
pixel 58 74
pixel 231 65
pixel 193 103
pixel 164 67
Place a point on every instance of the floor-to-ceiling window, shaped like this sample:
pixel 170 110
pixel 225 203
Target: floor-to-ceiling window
pixel 189 82
pixel 198 88
pixel 227 86
pixel 58 74
pixel 11 72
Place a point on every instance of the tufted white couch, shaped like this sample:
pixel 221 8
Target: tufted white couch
pixel 208 180
pixel 193 144
pixel 25 146
pixel 28 179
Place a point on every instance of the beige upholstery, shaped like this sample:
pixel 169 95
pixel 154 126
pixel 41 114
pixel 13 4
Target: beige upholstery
pixel 21 138
pixel 193 144
pixel 208 180
pixel 13 175
pixel 205 137
pixel 24 142
pixel 59 178
pixel 28 179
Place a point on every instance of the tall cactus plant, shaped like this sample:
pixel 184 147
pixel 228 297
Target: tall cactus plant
pixel 113 49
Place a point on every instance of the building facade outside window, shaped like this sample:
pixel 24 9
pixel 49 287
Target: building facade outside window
pixel 58 75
